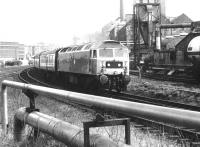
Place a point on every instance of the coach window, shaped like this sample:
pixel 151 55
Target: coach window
pixel 94 53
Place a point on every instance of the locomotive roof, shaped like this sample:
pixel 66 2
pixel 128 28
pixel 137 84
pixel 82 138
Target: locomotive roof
pixel 95 45
pixel 49 51
pixel 108 44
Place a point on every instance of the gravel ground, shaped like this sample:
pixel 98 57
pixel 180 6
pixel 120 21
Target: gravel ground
pixel 179 92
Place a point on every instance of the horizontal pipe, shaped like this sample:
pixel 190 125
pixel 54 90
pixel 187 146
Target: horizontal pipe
pixel 67 133
pixel 185 118
pixel 168 26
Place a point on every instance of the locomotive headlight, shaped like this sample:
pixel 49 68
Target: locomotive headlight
pixel 108 64
pixel 119 65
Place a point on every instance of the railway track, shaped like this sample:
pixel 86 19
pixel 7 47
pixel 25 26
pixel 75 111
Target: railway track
pixel 184 135
pixel 26 77
pixel 150 100
pixel 163 77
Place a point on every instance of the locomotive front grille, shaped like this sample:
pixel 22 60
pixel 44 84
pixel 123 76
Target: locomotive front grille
pixel 114 64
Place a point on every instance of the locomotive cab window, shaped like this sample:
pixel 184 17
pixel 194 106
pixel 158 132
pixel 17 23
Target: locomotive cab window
pixel 106 52
pixel 119 52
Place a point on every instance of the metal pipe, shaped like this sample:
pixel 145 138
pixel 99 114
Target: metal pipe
pixel 67 133
pixel 122 10
pixel 168 26
pixel 18 129
pixel 4 108
pixel 186 118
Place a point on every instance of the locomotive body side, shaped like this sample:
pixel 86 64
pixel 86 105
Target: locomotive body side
pixel 74 62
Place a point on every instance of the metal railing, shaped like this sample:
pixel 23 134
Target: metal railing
pixel 65 132
pixel 179 117
pixel 69 134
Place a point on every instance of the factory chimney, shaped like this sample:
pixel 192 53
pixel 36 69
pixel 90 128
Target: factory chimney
pixel 121 10
pixel 162 4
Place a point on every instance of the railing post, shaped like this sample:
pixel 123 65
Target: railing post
pixel 31 95
pixel 4 109
pixel 103 123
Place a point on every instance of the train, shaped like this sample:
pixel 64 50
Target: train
pixel 103 64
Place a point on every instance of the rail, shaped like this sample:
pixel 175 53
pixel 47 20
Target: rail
pixel 186 118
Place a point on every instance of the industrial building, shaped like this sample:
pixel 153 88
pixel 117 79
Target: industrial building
pixel 11 51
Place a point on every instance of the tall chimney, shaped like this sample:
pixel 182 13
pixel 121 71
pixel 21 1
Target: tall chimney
pixel 162 4
pixel 121 10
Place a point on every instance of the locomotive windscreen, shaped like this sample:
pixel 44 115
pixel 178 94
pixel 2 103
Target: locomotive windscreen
pixel 119 53
pixel 106 53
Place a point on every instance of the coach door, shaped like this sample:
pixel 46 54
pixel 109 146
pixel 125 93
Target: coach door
pixel 93 61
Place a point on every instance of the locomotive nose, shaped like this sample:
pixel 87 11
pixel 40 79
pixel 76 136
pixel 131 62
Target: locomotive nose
pixel 103 79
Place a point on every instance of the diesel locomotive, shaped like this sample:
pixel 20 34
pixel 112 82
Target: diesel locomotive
pixel 96 65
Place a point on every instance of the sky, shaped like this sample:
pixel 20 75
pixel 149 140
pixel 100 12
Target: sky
pixel 58 21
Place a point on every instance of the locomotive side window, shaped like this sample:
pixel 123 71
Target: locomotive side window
pixel 94 53
pixel 90 53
